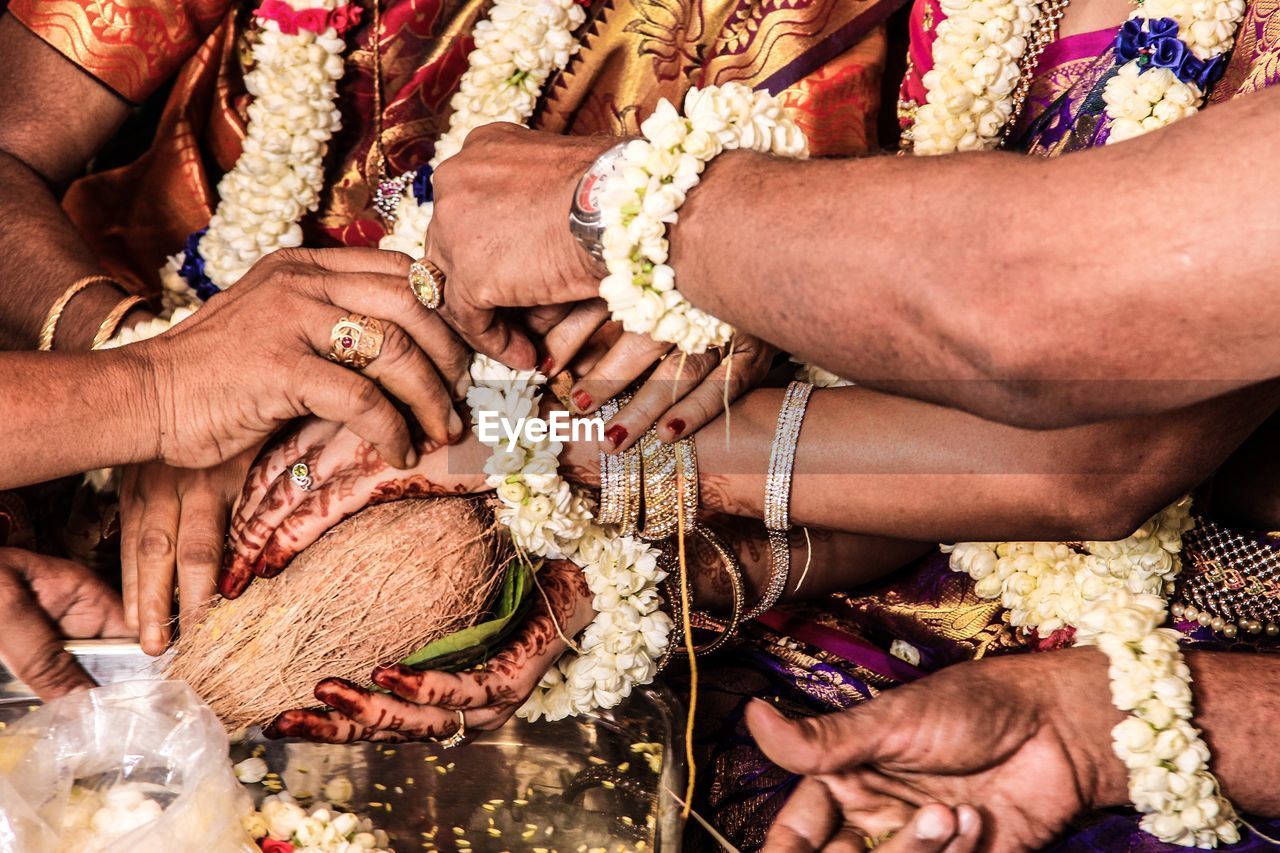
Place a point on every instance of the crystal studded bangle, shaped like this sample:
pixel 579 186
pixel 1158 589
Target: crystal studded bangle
pixel 620 478
pixel 777 493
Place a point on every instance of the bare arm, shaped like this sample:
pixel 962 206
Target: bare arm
pixel 52 119
pixel 69 412
pixel 1123 280
pixel 888 466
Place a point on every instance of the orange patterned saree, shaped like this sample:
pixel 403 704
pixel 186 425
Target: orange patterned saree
pixel 824 56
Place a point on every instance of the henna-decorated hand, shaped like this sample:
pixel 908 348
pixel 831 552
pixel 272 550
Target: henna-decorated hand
pixel 424 704
pixel 173 521
pixel 276 519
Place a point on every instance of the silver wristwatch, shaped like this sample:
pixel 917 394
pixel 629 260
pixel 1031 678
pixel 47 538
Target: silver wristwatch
pixel 584 212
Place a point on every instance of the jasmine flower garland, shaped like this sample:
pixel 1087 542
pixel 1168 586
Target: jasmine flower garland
pixel 297 62
pixel 658 173
pixel 1113 595
pixel 977 54
pixel 1171 52
pixel 550 518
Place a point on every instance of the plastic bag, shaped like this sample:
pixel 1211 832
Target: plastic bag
pixel 144 758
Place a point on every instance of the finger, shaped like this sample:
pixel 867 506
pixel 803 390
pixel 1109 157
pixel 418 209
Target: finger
pixel 327 727
pixel 969 833
pixel 30 647
pixel 626 360
pixel 344 396
pixel 130 529
pixel 448 690
pixel 543 318
pixel 930 830
pixel 387 297
pixel 202 528
pixel 281 500
pixel 735 374
pixel 675 377
pixel 75 598
pixel 821 744
pixel 388 713
pixel 491 333
pixel 356 259
pixel 808 819
pixel 567 338
pixel 157 559
pixel 248 531
pixel 406 372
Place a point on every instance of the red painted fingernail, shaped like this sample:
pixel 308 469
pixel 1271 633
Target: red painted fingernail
pixel 582 400
pixel 616 434
pixel 676 425
pixel 546 364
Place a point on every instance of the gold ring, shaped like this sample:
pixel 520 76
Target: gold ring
pixel 873 842
pixel 355 341
pixel 458 736
pixel 427 283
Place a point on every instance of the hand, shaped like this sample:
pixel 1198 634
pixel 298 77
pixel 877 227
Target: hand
pixel 513 248
pixel 276 519
pixel 42 600
pixel 173 521
pixel 254 358
pixel 424 704
pixel 1026 741
pixel 683 393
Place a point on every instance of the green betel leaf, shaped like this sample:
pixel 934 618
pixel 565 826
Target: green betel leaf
pixel 470 646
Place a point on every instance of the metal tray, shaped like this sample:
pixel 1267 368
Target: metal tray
pixel 581 779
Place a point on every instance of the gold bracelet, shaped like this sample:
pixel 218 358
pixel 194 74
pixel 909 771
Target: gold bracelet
pixel 700 619
pixel 661 502
pixel 777 495
pixel 55 313
pixel 109 326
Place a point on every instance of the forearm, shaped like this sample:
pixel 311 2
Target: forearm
pixel 1237 698
pixel 53 119
pixel 822 562
pixel 66 413
pixel 1018 288
pixel 41 254
pixel 886 466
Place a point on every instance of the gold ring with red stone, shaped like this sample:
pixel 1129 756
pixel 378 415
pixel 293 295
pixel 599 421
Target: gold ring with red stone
pixel 356 340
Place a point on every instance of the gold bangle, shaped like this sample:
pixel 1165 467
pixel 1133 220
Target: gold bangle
pixel 699 619
pixel 55 313
pixel 661 502
pixel 109 326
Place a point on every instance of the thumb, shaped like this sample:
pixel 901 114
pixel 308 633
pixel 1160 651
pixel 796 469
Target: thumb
pixel 503 342
pixel 814 745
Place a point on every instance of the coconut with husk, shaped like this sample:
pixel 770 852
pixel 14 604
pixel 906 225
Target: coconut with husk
pixel 377 587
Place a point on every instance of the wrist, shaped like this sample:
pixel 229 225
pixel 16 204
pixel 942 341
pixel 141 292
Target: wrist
pixel 1076 700
pixel 83 315
pixel 583 270
pixel 140 404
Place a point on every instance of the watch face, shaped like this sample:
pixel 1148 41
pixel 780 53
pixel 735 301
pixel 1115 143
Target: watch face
pixel 586 201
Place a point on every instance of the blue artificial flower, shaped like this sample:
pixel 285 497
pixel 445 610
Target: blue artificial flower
pixel 192 269
pixel 1154 43
pixel 422 190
